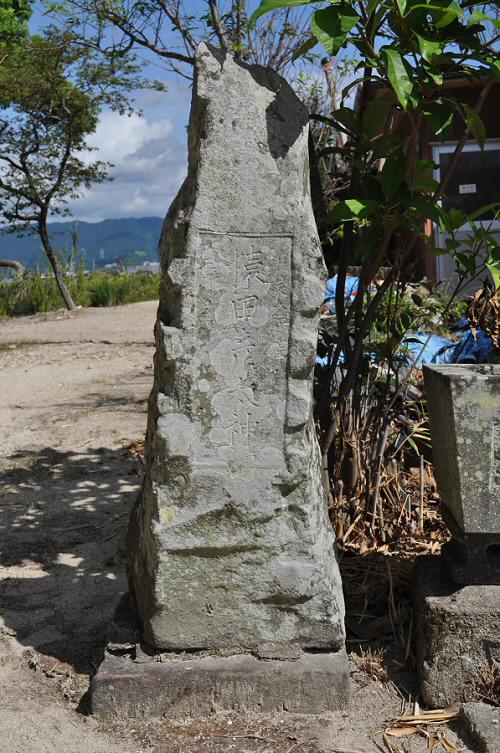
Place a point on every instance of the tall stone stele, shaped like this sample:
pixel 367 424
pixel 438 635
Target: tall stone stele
pixel 231 553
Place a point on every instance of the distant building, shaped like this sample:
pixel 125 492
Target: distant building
pixel 148 266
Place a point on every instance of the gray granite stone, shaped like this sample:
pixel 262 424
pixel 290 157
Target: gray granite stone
pixel 464 410
pixel 483 725
pixel 230 544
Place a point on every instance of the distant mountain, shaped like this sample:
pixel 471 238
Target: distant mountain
pixel 131 239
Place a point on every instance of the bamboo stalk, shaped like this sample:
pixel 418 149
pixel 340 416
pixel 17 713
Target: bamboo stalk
pixel 422 489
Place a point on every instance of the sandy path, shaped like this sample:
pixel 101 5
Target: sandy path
pixel 74 389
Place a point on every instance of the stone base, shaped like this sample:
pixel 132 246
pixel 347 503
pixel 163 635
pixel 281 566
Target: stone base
pixel 458 634
pixel 134 682
pixel 190 687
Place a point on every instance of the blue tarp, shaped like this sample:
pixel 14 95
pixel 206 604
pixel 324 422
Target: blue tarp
pixel 423 347
pixel 351 287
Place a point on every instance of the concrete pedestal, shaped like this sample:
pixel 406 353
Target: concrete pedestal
pixel 458 634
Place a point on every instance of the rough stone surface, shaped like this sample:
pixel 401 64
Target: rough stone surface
pixel 464 409
pixel 458 634
pixel 230 544
pixel 483 725
pixel 192 686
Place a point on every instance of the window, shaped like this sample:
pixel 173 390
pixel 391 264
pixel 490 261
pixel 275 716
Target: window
pixel 476 179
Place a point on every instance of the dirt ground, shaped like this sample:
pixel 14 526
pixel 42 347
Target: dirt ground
pixel 74 388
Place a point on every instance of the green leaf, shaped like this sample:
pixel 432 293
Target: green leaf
pixel 398 75
pixel 352 210
pixel 466 261
pixel 437 251
pixel 332 25
pixel 392 174
pixel 425 209
pixel 428 48
pixel 304 47
pixel 267 6
pixel 374 116
pixel 494 68
pixel 439 116
pixel 348 118
pixel 475 123
pixel 495 273
pixel 478 16
pixel 454 219
pixel 402 5
pixel 422 179
pixel 494 207
pixel 444 12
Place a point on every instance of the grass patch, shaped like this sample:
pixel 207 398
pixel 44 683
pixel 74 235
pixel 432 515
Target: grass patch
pixel 34 293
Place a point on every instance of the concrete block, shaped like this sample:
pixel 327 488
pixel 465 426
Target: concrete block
pixel 458 634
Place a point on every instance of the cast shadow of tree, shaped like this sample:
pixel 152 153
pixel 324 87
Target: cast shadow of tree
pixel 63 521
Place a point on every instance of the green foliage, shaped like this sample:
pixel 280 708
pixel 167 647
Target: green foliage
pixel 14 15
pixel 410 48
pixel 35 293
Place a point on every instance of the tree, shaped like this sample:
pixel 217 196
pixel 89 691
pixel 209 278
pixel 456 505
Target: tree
pixel 51 93
pixel 408 49
pixel 172 31
pixel 14 15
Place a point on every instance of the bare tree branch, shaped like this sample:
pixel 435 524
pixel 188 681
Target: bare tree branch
pixel 13 264
pixel 219 29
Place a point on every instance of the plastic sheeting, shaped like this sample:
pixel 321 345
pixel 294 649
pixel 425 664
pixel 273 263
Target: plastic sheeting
pixel 418 348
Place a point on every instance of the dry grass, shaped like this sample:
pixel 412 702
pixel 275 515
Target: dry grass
pixel 371 661
pixel 487 685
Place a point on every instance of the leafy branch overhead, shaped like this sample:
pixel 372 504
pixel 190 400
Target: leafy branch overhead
pixel 172 29
pixel 408 51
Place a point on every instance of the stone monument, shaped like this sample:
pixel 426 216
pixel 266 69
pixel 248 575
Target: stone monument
pixel 231 554
pixel 457 595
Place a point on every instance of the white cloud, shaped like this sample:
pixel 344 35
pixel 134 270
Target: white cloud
pixel 149 158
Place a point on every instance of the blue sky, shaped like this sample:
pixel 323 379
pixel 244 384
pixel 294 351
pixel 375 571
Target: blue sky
pixel 149 153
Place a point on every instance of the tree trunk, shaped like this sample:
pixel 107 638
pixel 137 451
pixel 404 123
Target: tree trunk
pixel 13 264
pixel 61 284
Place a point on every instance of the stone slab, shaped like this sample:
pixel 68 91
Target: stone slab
pixel 458 634
pixel 185 686
pixel 483 725
pixel 464 412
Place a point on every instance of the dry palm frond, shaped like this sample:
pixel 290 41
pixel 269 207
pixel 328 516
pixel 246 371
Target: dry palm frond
pixel 409 724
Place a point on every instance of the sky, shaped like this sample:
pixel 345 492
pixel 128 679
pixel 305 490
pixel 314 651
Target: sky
pixel 149 153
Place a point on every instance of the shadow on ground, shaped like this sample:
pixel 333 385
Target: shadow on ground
pixel 63 521
pixel 380 635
